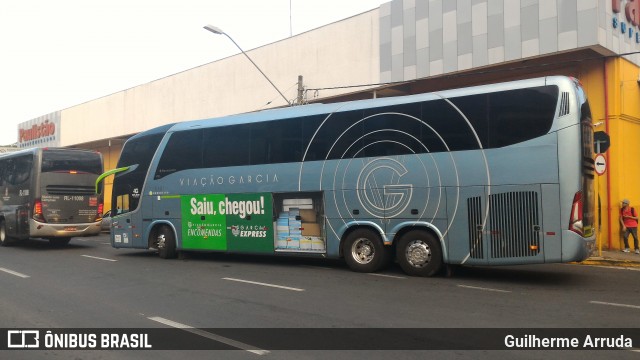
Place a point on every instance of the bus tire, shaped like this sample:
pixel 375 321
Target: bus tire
pixel 166 242
pixel 364 251
pixel 4 239
pixel 63 241
pixel 419 253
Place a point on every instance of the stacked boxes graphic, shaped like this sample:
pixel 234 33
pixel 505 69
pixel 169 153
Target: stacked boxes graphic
pixel 297 227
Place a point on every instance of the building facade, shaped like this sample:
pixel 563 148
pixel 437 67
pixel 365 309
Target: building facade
pixel 403 47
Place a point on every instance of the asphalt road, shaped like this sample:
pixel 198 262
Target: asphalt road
pixel 88 284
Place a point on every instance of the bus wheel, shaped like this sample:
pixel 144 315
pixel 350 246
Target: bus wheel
pixel 419 253
pixel 59 241
pixel 364 252
pixel 4 239
pixel 166 242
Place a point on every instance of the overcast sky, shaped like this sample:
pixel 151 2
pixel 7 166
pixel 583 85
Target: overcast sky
pixel 57 54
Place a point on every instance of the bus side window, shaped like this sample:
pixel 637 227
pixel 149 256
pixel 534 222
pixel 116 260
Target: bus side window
pixel 22 169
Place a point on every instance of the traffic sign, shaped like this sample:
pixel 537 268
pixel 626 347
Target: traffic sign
pixel 601 164
pixel 601 142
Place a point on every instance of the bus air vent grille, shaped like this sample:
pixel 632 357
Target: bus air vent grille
pixel 514 224
pixel 564 104
pixel 474 207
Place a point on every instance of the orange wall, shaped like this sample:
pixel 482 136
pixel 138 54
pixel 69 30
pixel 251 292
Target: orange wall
pixel 623 165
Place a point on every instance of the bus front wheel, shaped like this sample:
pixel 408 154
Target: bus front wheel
pixel 364 252
pixel 166 242
pixel 419 253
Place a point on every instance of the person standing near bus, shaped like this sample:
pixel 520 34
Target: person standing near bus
pixel 629 222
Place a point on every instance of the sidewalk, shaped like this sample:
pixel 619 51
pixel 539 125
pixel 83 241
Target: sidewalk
pixel 614 258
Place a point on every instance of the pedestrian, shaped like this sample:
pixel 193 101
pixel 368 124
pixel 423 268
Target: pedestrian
pixel 629 222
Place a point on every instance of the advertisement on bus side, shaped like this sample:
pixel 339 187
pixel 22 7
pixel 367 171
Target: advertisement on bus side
pixel 227 222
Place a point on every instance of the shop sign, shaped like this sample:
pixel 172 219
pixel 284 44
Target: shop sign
pixel 40 132
pixel 630 25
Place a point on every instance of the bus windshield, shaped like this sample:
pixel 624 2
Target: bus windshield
pixel 136 154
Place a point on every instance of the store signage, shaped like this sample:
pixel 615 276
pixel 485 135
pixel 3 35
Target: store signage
pixel 630 26
pixel 38 131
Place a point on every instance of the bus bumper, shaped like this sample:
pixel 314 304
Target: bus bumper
pixel 576 247
pixel 46 230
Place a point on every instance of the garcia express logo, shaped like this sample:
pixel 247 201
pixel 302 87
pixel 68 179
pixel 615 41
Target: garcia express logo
pixel 631 27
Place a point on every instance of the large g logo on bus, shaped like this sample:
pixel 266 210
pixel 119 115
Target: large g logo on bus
pixel 379 190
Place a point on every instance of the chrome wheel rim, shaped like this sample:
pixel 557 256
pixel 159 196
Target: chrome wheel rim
pixel 363 251
pixel 161 241
pixel 418 253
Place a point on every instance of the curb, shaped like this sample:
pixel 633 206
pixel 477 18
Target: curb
pixel 609 262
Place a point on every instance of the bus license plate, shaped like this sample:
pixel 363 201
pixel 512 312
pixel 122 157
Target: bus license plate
pixel 70 228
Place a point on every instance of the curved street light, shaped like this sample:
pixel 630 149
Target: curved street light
pixel 218 31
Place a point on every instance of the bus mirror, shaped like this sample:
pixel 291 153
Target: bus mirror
pixel 111 172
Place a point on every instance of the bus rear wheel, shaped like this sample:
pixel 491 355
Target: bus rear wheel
pixel 166 242
pixel 419 253
pixel 4 239
pixel 364 252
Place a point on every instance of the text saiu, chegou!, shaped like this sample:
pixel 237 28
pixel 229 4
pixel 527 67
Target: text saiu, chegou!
pixel 227 207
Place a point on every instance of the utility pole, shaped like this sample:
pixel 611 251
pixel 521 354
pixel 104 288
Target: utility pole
pixel 300 97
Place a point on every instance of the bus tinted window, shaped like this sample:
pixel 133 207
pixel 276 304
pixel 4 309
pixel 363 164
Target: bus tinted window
pixel 137 151
pixel 16 170
pixel 183 151
pixel 80 161
pixel 227 146
pixel 490 121
pixel 509 117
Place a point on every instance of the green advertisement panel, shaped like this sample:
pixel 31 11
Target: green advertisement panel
pixel 235 222
pixel 203 227
pixel 250 227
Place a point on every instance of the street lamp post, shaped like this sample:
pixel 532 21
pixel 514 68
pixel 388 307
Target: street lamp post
pixel 218 31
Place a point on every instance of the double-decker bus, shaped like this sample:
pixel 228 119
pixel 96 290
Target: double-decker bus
pixel 49 193
pixel 489 175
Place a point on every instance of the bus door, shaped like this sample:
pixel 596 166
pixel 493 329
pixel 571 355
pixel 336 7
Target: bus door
pixel 122 229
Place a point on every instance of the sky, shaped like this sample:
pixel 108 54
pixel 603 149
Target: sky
pixel 57 54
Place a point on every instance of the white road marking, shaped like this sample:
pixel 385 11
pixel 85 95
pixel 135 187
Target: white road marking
pixel 615 304
pixel 14 273
pixel 483 288
pixel 103 243
pixel 98 258
pixel 208 335
pixel 388 276
pixel 264 284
